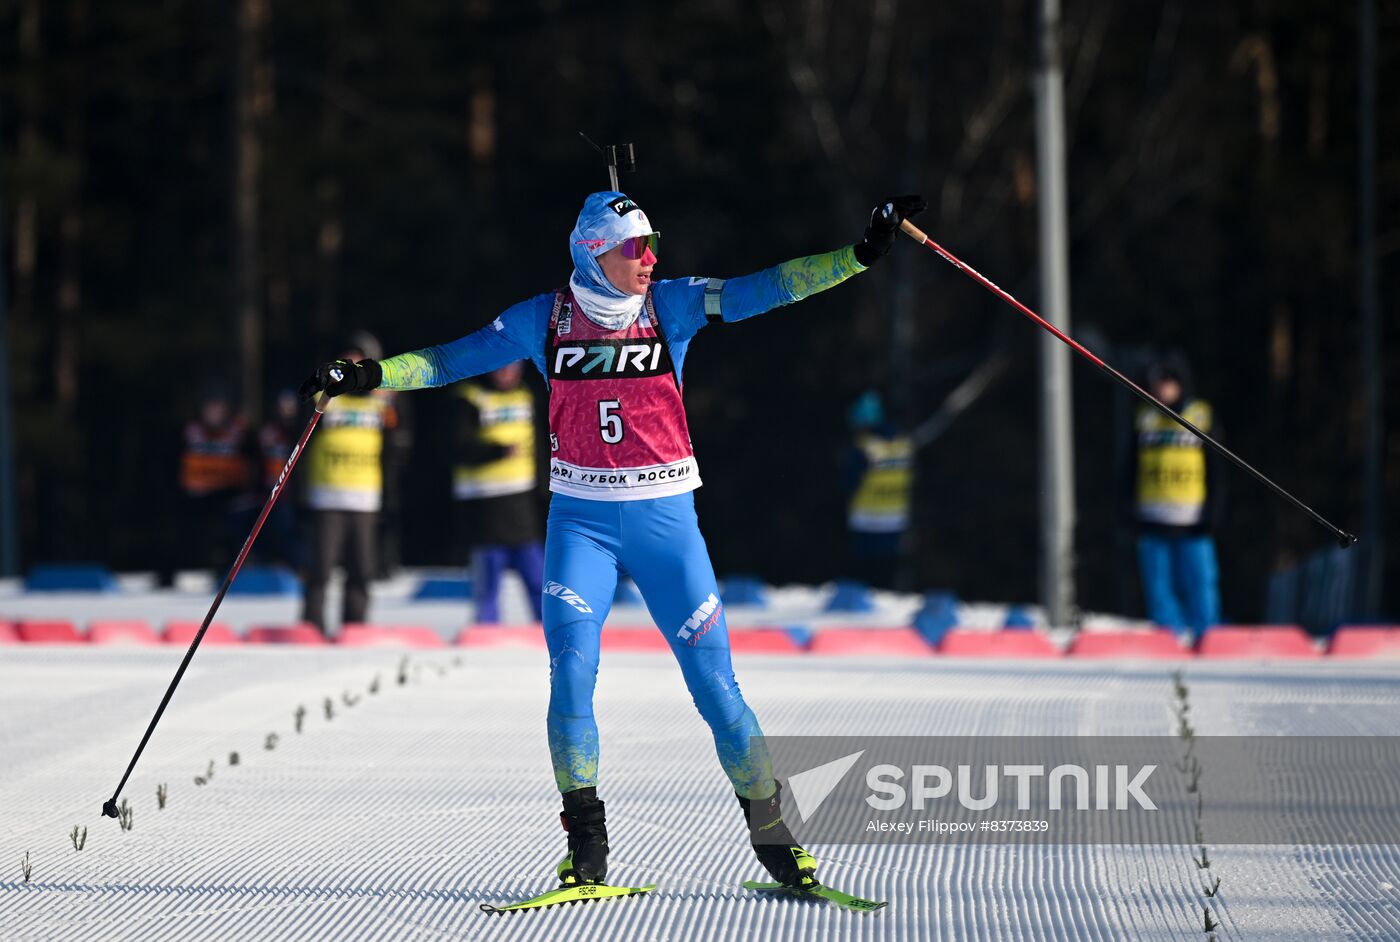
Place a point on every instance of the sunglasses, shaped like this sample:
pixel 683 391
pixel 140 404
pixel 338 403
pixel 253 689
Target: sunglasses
pixel 633 248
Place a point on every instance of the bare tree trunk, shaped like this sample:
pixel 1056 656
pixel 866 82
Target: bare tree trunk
pixel 251 99
pixel 67 347
pixel 330 233
pixel 26 211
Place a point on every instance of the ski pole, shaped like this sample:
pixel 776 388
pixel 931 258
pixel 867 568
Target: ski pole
pixel 1344 539
pixel 110 808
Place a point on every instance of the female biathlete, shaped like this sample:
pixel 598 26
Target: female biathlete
pixel 611 346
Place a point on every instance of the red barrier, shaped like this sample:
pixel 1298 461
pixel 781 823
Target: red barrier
pixel 121 632
pixel 39 631
pixel 410 636
pixel 1155 644
pixel 8 634
pixel 762 641
pixel 183 632
pixel 1365 641
pixel 1015 643
pixel 889 641
pixel 646 638
pixel 285 634
pixel 1234 642
pixel 502 636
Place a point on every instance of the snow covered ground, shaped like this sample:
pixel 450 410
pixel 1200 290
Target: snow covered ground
pixel 401 814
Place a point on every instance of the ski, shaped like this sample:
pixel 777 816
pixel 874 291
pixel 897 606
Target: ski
pixel 818 891
pixel 570 894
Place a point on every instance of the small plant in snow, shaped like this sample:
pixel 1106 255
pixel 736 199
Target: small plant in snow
pixel 374 685
pixel 403 671
pixel 329 707
pixel 349 698
pixel 457 661
pixel 79 839
pixel 125 815
pixel 300 716
pixel 233 758
pixel 25 867
pixel 271 742
pixel 1211 924
pixel 162 795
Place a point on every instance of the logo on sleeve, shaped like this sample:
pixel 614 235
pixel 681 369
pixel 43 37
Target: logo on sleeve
pixel 566 319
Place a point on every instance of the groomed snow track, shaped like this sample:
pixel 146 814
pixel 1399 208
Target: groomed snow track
pixel 400 815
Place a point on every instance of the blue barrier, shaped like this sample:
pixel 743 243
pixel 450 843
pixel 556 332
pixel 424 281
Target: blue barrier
pixel 937 616
pixel 801 635
pixel 850 596
pixel 265 580
pixel 70 577
pixel 444 589
pixel 1018 618
pixel 743 590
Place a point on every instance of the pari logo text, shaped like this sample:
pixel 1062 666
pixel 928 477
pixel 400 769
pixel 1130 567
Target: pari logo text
pixel 610 358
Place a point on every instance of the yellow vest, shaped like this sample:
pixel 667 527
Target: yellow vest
pixel 345 469
pixel 506 418
pixel 881 502
pixel 1171 481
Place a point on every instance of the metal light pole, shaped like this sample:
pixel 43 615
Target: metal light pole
pixel 1372 441
pixel 1056 432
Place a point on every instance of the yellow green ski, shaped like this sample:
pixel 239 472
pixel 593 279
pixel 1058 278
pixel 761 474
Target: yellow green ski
pixel 578 893
pixel 816 891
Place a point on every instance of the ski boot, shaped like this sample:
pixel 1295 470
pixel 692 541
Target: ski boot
pixel 774 844
pixel 582 818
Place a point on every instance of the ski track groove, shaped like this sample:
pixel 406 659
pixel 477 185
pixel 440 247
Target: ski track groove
pixel 404 813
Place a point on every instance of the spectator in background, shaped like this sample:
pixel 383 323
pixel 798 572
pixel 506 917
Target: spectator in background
pixel 1177 500
pixel 878 478
pixel 275 441
pixel 398 442
pixel 214 472
pixel 495 483
pixel 345 489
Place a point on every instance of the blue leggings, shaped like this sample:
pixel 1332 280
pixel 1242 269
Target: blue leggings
pixel 658 542
pixel 1180 581
pixel 489 564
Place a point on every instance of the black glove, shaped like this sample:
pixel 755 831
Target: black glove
pixel 884 225
pixel 341 376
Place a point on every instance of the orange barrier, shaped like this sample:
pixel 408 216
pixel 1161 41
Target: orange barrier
pixel 1234 642
pixel 183 632
pixel 502 636
pixel 285 634
pixel 895 641
pixel 42 631
pixel 121 632
pixel 411 636
pixel 763 641
pixel 1014 643
pixel 645 638
pixel 1365 641
pixel 1154 644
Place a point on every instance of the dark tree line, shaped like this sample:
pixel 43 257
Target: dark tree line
pixel 202 193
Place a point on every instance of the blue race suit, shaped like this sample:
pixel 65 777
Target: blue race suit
pixel 657 541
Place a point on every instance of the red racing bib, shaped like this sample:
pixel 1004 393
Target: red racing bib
pixel 617 428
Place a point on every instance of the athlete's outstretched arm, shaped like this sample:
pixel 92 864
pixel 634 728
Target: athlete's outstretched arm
pixel 698 301
pixel 517 334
